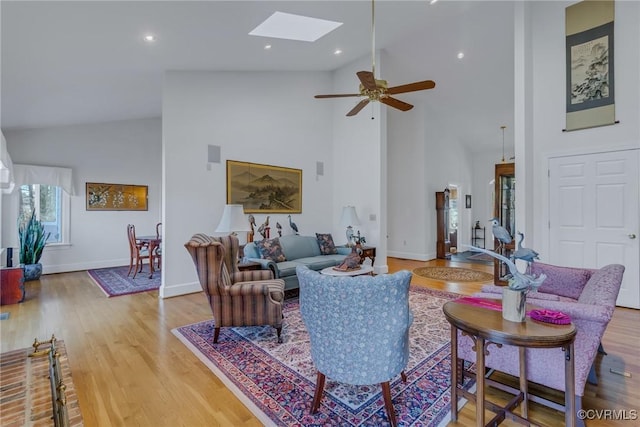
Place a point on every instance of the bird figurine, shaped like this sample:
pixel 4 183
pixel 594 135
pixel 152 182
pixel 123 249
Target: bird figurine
pixel 279 227
pixel 264 228
pixel 518 281
pixel 293 225
pixel 525 254
pixel 500 233
pixel 252 224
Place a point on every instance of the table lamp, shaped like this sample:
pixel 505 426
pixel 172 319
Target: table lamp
pixel 233 220
pixel 349 219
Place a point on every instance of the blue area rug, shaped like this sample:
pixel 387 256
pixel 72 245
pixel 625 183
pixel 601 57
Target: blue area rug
pixel 114 281
pixel 277 381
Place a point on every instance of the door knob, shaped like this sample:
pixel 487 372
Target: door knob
pixel 632 236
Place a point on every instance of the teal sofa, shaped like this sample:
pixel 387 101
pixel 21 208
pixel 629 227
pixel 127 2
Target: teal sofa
pixel 298 250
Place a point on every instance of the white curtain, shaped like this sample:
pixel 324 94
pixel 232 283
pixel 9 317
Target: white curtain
pixel 28 174
pixel 6 168
pixel 44 175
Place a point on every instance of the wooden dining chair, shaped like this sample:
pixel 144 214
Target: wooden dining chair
pixel 158 249
pixel 138 251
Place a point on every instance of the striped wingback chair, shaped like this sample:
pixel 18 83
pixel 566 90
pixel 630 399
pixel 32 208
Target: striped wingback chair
pixel 237 298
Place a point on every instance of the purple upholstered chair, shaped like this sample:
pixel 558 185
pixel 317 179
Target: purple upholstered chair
pixel 588 296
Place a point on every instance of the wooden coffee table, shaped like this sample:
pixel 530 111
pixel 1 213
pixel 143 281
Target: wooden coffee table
pixel 364 269
pixel 485 327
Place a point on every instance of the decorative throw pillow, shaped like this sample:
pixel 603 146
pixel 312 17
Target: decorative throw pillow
pixel 325 241
pixel 271 249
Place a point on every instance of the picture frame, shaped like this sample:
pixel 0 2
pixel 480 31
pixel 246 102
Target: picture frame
pixel 116 197
pixel 467 201
pixel 261 188
pixel 590 79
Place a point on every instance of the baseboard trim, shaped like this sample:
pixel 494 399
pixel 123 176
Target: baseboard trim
pixel 410 255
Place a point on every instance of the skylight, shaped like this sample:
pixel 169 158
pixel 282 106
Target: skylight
pixel 282 25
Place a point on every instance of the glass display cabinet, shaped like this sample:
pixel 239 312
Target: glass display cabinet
pixel 505 211
pixel 443 244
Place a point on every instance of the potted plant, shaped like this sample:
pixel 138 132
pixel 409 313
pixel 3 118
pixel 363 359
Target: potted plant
pixel 32 242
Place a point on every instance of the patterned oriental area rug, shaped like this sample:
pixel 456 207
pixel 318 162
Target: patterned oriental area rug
pixel 276 381
pixel 114 281
pixel 453 274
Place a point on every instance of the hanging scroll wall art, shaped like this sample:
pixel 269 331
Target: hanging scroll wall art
pixel 589 65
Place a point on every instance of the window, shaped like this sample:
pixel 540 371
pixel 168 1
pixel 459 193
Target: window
pixel 51 206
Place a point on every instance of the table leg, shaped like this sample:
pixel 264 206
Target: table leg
pixel 152 248
pixel 523 382
pixel 569 387
pixel 480 381
pixel 454 373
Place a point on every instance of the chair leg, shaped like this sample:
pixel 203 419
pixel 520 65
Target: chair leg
pixel 135 272
pixel 388 404
pixel 279 332
pixel 601 349
pixel 130 266
pixel 403 376
pixel 216 334
pixel 317 397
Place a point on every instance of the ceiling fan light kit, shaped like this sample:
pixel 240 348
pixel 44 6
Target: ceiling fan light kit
pixel 373 89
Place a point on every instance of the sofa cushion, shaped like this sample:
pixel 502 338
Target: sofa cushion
pixel 564 281
pixel 295 246
pixel 271 249
pixel 325 242
pixel 318 262
pixel 287 268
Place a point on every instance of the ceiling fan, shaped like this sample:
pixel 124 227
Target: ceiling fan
pixel 373 89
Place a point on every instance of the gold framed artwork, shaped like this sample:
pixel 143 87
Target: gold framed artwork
pixel 264 188
pixel 116 197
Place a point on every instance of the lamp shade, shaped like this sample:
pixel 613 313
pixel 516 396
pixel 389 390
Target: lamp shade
pixel 349 216
pixel 233 220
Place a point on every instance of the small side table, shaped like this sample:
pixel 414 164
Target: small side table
pixel 486 327
pixel 249 265
pixel 11 285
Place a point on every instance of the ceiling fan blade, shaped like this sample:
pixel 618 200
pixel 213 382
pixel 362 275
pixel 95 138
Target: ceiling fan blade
pixel 355 110
pixel 412 87
pixel 396 103
pixel 343 95
pixel 367 79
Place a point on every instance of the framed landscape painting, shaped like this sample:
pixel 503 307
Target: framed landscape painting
pixel 264 188
pixel 116 197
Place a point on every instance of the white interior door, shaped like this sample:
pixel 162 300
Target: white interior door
pixel 594 212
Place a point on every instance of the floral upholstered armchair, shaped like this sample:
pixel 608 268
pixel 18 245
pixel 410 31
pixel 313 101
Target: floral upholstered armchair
pixel 237 298
pixel 358 328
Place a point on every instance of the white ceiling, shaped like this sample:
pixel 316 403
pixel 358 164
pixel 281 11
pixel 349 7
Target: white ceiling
pixel 72 62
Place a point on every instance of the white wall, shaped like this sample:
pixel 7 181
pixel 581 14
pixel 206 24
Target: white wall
pixel 547 46
pixel 270 118
pixel 122 152
pixel 359 153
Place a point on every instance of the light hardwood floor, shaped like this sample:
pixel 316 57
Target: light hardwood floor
pixel 129 369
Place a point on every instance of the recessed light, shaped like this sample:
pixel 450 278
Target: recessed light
pixel 337 51
pixel 282 25
pixel 267 46
pixel 433 1
pixel 149 38
pixel 460 55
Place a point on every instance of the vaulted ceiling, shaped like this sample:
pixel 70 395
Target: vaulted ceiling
pixel 71 62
